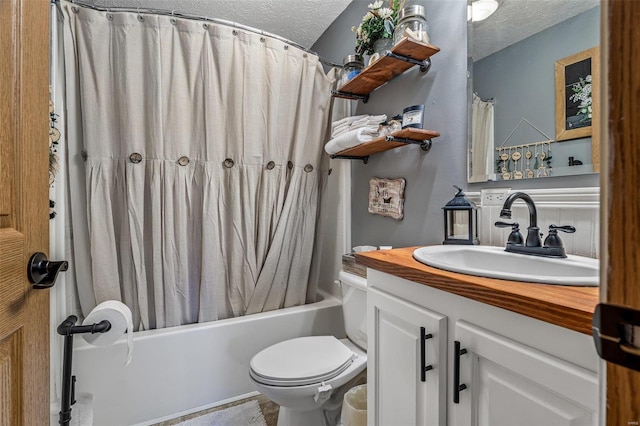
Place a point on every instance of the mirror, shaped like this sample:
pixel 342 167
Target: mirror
pixel 532 65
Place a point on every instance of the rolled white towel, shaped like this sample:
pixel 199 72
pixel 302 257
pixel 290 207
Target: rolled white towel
pixel 349 140
pixel 346 120
pixel 368 121
pixel 338 130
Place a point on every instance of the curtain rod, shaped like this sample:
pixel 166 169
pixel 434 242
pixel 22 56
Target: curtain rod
pixel 199 18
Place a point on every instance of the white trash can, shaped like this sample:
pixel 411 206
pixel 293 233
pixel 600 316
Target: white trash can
pixel 354 407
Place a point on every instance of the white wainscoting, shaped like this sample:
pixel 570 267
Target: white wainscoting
pixel 579 207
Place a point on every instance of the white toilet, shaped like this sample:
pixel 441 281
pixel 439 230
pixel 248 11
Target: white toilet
pixel 302 374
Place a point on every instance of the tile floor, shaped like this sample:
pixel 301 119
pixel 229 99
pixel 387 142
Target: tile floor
pixel 269 411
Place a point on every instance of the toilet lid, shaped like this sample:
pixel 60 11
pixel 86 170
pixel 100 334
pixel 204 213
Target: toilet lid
pixel 301 361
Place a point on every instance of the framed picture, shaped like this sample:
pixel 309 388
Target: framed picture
pixel 386 197
pixel 577 96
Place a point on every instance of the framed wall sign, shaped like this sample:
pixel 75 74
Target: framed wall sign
pixel 577 95
pixel 386 197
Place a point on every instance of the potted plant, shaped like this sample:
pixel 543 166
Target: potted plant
pixel 377 27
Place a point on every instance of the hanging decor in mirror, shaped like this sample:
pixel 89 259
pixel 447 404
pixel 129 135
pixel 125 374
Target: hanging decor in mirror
pixel 530 160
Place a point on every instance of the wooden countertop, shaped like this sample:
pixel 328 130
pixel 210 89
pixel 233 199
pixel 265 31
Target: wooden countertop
pixel 567 306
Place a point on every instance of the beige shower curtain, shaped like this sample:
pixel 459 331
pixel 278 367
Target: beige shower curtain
pixel 482 140
pixel 202 165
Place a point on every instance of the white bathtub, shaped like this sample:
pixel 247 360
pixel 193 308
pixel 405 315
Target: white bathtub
pixel 185 369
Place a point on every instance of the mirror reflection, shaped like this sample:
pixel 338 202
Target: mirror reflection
pixel 535 69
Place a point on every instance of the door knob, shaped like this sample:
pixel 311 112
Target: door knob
pixel 42 273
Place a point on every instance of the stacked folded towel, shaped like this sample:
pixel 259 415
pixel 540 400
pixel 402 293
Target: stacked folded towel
pixel 352 131
pixel 356 122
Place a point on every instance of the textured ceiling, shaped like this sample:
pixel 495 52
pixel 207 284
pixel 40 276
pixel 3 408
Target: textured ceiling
pixel 301 21
pixel 516 20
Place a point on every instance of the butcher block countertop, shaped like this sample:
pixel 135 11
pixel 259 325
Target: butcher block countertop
pixel 567 306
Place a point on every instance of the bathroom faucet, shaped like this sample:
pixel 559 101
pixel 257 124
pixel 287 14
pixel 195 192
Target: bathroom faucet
pixel 533 232
pixel 552 246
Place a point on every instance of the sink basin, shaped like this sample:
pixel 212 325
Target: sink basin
pixel 494 262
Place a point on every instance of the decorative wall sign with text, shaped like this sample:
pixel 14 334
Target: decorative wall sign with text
pixel 386 197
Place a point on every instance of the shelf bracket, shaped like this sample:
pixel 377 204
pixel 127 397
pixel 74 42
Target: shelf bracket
pixel 425 145
pixel 364 159
pixel 424 65
pixel 352 96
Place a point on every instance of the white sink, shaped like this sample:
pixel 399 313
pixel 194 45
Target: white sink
pixel 494 262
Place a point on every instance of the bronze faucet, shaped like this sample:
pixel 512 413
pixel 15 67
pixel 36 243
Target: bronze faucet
pixel 552 246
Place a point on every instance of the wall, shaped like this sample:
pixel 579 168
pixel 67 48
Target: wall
pixel 579 207
pixel 429 176
pixel 521 79
pixel 443 91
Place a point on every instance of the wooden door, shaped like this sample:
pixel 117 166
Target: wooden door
pixel 396 391
pixel 621 191
pixel 24 204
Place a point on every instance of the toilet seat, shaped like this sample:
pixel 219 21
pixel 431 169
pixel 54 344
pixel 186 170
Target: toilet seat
pixel 301 361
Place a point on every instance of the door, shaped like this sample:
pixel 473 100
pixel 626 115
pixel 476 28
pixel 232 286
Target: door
pixel 405 388
pixel 621 203
pixel 24 205
pixel 507 383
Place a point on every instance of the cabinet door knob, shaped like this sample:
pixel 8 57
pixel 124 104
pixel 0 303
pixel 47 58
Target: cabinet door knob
pixel 457 387
pixel 423 354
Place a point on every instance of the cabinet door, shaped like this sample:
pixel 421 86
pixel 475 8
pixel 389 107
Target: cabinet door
pixel 508 384
pixel 397 394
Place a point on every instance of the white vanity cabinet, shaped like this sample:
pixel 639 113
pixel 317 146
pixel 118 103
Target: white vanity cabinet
pixel 406 362
pixel 508 383
pixel 516 370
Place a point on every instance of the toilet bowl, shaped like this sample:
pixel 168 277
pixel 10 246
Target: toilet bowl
pixel 302 374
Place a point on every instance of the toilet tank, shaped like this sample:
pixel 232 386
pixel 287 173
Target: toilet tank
pixel 354 307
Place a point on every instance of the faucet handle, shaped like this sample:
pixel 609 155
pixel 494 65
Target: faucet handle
pixel 553 240
pixel 515 237
pixel 567 228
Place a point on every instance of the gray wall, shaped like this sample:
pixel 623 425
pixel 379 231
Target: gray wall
pixel 521 79
pixel 443 91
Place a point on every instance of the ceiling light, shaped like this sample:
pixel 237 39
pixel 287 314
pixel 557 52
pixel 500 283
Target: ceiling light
pixel 481 9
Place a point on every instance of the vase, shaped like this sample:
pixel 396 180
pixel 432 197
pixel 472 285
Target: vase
pixel 379 47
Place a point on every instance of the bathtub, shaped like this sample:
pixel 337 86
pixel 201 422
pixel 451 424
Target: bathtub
pixel 180 370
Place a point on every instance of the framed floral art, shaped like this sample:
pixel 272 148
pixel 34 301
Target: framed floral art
pixel 577 95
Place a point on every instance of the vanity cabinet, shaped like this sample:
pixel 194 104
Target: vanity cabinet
pixel 406 362
pixel 512 370
pixel 509 383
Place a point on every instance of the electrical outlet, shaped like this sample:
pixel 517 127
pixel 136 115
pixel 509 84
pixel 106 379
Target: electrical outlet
pixel 494 197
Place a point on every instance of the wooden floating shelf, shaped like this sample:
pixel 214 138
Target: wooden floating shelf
pixel 387 67
pixel 382 144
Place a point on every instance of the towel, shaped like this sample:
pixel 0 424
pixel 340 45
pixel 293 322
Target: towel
pixel 350 139
pixel 338 130
pixel 358 122
pixel 369 120
pixel 347 121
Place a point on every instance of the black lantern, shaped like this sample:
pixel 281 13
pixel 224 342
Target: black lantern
pixel 460 220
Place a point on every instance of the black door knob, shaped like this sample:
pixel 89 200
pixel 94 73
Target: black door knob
pixel 42 273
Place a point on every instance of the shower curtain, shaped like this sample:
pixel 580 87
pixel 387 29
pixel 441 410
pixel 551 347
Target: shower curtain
pixel 482 140
pixel 197 167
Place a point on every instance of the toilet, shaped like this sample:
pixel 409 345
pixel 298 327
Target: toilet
pixel 302 374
